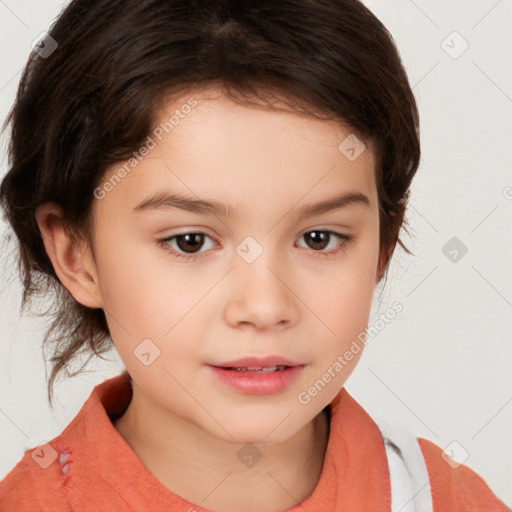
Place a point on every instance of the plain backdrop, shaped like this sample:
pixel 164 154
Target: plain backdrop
pixel 442 367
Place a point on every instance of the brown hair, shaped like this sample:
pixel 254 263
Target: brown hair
pixel 93 101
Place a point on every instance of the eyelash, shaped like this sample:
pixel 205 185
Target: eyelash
pixel 346 241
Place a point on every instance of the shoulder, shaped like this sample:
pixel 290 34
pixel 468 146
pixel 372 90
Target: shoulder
pixel 37 482
pixel 52 476
pixel 456 486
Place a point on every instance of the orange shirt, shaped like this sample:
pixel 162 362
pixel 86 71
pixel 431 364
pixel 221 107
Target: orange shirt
pixel 89 468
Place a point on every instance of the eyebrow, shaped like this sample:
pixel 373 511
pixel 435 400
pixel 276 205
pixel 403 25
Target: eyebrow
pixel 164 200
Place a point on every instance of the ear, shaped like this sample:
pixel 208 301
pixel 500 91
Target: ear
pixel 72 260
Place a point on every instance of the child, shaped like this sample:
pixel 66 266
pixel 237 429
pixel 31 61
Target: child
pixel 281 137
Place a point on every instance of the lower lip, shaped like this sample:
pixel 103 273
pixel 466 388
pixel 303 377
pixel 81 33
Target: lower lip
pixel 257 383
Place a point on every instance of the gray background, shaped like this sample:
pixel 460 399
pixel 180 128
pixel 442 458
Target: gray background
pixel 441 367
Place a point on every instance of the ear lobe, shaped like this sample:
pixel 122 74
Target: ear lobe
pixel 70 258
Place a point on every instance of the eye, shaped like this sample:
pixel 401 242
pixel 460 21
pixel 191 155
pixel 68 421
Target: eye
pixel 188 245
pixel 320 239
pixel 185 245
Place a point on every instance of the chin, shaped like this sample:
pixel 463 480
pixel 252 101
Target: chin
pixel 270 432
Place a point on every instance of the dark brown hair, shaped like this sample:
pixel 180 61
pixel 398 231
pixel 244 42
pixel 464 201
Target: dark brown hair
pixel 93 101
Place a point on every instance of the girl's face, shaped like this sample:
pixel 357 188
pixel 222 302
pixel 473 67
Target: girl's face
pixel 241 264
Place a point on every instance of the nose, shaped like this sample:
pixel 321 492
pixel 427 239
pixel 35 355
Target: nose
pixel 262 294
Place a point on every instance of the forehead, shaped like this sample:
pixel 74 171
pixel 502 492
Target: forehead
pixel 208 112
pixel 204 143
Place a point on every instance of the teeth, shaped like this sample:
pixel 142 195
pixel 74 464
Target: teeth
pixel 268 369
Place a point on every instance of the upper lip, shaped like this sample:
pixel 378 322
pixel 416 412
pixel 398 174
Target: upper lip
pixel 258 362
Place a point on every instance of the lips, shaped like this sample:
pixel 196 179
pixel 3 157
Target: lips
pixel 257 375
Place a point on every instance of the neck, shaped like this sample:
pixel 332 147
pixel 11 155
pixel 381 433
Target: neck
pixel 219 475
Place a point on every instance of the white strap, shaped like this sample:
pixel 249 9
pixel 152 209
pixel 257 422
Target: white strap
pixel 401 485
pixel 410 483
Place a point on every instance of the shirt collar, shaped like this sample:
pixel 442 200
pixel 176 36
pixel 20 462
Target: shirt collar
pixel 354 476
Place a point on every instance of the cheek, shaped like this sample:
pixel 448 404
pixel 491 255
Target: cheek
pixel 343 292
pixel 345 310
pixel 154 307
pixel 343 301
pixel 143 293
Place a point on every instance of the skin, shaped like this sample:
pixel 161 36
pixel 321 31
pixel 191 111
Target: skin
pixel 293 300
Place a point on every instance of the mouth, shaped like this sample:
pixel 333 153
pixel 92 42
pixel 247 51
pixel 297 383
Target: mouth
pixel 256 369
pixel 270 363
pixel 258 375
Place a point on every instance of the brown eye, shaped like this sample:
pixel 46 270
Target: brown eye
pixel 186 244
pixel 190 242
pixel 317 239
pixel 326 242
